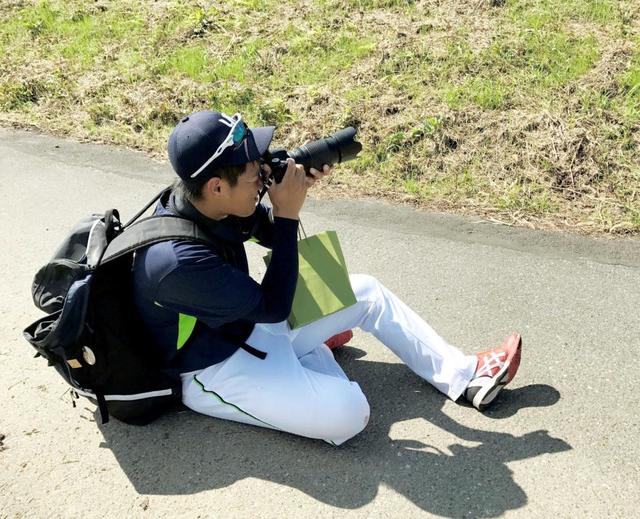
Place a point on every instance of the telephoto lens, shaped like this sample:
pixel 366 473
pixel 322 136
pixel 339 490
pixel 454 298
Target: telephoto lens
pixel 335 149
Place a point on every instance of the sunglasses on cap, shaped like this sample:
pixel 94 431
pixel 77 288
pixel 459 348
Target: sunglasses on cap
pixel 237 133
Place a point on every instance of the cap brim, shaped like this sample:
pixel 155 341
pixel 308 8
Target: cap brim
pixel 262 137
pixel 253 147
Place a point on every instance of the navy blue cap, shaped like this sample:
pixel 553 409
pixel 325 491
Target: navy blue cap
pixel 196 138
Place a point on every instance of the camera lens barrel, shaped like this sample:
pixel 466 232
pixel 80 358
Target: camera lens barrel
pixel 337 148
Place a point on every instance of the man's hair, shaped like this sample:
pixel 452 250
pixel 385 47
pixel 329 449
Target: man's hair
pixel 192 188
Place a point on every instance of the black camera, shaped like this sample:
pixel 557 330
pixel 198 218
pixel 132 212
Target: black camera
pixel 337 148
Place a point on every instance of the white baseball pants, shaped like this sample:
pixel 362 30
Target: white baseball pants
pixel 301 389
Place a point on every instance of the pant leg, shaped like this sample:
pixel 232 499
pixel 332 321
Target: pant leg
pixel 383 314
pixel 279 392
pixel 321 359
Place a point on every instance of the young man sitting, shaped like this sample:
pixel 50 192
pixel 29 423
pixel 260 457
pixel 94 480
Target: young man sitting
pixel 226 336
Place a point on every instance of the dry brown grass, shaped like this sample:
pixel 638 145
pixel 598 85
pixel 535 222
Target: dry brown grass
pixel 523 111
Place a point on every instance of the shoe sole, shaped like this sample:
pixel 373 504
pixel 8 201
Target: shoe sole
pixel 486 395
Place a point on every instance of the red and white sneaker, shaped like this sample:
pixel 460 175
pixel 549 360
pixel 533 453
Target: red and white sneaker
pixel 339 339
pixel 496 368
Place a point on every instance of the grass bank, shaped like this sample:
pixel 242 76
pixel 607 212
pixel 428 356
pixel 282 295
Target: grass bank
pixel 524 111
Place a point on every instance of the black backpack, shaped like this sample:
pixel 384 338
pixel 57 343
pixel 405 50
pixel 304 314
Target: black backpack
pixel 91 333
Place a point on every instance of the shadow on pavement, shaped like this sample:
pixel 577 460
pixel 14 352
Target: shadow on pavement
pixel 185 453
pixel 510 401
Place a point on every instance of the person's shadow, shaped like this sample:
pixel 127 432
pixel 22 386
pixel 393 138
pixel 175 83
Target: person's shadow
pixel 185 453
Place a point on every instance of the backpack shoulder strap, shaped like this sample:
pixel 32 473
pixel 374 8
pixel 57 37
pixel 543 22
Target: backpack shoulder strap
pixel 165 191
pixel 152 230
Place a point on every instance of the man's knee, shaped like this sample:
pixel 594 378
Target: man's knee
pixel 365 287
pixel 344 417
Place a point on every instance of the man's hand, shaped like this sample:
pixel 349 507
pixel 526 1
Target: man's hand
pixel 288 196
pixel 316 175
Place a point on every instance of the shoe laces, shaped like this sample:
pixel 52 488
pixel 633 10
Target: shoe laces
pixel 490 363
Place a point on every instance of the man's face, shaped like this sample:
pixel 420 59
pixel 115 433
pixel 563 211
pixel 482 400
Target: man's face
pixel 244 196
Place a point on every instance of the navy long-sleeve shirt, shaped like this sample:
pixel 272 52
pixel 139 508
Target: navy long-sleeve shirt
pixel 180 283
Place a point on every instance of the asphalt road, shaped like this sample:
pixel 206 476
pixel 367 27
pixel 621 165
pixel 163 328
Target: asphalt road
pixel 562 441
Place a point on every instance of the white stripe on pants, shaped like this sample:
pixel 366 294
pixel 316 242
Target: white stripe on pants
pixel 301 389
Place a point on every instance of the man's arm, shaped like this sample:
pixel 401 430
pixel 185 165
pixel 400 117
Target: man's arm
pixel 215 292
pixel 262 219
pixel 262 229
pixel 204 286
pixel 279 281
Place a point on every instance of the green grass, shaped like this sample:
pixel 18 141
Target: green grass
pixel 520 65
pixel 483 92
pixel 628 103
pixel 527 110
pixel 540 13
pixel 315 57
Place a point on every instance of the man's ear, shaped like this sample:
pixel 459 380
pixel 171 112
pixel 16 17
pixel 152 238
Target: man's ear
pixel 214 185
